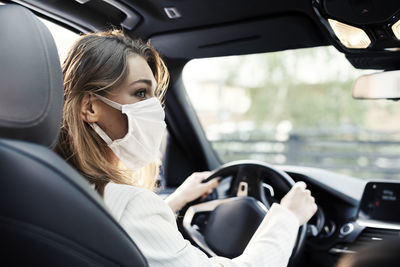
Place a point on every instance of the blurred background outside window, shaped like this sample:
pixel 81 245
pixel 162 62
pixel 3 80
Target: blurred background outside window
pixel 295 108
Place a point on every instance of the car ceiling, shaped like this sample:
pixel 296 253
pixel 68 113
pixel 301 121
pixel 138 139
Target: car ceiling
pixel 211 28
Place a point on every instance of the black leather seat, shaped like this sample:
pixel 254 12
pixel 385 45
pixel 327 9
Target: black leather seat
pixel 49 215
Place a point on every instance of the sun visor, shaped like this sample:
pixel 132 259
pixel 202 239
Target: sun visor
pixel 255 36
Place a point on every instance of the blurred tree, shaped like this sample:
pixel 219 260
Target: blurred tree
pixel 281 95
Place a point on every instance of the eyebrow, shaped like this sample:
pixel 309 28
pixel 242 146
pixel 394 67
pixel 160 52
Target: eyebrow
pixel 148 82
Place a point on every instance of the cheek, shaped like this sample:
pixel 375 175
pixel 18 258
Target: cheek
pixel 114 123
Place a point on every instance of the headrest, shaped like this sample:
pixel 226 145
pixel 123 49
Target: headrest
pixel 31 88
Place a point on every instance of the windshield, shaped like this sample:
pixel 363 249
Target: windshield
pixel 294 108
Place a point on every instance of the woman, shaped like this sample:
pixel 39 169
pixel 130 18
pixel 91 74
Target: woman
pixel 112 129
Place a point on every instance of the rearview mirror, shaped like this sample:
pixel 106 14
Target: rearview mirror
pixel 382 85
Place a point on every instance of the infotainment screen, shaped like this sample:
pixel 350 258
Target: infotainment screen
pixel 381 201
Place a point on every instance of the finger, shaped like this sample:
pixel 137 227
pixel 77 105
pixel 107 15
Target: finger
pixel 206 175
pixel 213 183
pixel 206 193
pixel 315 207
pixel 308 192
pixel 216 179
pixel 300 185
pixel 209 186
pixel 198 176
pixel 201 176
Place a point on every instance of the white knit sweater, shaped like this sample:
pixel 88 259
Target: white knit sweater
pixel 151 224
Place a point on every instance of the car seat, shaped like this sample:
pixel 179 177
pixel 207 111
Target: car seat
pixel 49 215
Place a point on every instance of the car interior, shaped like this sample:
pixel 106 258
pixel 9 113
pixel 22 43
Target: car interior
pixel 50 216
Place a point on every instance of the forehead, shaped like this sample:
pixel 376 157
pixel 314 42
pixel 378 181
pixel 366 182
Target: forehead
pixel 138 69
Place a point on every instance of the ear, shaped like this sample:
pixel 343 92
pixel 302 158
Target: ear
pixel 89 108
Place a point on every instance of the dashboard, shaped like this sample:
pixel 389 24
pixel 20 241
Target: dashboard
pixel 351 213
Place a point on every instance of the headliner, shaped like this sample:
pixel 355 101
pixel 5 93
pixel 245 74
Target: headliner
pixel 216 28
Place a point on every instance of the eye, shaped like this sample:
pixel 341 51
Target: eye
pixel 141 93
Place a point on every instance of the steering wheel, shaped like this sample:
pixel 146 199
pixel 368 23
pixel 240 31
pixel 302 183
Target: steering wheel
pixel 224 222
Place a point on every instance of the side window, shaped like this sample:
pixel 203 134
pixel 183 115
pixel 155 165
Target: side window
pixel 63 38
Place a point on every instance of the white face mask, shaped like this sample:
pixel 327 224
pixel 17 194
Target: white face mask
pixel 146 126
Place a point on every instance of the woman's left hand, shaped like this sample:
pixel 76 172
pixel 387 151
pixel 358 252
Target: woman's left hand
pixel 191 189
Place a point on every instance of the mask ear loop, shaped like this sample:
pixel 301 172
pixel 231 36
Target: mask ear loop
pixel 101 133
pixel 96 127
pixel 109 102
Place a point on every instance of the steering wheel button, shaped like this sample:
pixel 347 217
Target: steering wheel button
pixel 242 190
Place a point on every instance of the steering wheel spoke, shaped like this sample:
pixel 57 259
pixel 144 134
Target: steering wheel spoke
pixel 197 234
pixel 192 230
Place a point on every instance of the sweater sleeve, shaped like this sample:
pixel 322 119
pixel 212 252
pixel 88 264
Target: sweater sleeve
pixel 152 225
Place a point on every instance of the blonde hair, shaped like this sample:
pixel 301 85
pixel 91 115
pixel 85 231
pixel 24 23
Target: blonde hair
pixel 97 63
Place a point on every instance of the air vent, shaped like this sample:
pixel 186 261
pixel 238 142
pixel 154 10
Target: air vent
pixel 370 235
pixel 367 236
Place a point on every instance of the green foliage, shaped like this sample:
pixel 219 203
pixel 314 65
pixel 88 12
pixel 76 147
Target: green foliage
pixel 282 96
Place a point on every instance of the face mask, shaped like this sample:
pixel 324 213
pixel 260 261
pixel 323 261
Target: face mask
pixel 146 126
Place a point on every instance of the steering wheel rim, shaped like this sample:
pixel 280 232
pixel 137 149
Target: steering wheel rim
pixel 254 190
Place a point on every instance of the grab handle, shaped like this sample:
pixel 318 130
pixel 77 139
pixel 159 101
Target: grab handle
pixel 131 17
